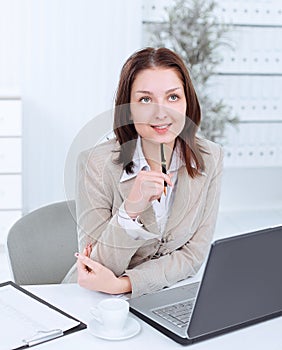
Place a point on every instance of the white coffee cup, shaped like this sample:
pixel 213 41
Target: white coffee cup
pixel 112 314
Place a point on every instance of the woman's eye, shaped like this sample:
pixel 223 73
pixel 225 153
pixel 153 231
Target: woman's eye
pixel 145 99
pixel 173 98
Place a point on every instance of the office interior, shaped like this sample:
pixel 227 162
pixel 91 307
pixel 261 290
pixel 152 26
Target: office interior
pixel 59 69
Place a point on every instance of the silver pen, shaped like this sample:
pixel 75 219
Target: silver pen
pixel 43 336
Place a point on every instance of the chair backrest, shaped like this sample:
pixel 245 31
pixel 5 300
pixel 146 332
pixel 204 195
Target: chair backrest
pixel 41 245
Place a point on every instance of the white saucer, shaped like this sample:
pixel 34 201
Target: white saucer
pixel 131 328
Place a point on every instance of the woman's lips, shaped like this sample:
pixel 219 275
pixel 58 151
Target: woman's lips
pixel 161 129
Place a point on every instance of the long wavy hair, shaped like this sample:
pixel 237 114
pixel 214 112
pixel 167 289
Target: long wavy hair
pixel 124 128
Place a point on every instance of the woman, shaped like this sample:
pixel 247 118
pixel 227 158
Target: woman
pixel 147 201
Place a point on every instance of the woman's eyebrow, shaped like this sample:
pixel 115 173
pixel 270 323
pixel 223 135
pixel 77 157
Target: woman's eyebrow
pixel 172 90
pixel 151 93
pixel 143 92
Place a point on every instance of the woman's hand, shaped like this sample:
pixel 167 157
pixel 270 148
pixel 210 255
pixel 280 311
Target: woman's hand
pixel 94 276
pixel 148 186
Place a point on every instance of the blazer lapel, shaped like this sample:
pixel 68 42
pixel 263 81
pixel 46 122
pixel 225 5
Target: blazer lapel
pixel 187 194
pixel 181 199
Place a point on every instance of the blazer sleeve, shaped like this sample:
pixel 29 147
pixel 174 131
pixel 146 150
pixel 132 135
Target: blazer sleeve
pixel 180 264
pixel 97 221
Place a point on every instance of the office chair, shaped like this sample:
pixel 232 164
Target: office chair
pixel 41 244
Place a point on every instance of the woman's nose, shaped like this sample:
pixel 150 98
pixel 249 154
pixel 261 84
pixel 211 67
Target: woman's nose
pixel 161 112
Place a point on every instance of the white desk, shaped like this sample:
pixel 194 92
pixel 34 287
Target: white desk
pixel 77 302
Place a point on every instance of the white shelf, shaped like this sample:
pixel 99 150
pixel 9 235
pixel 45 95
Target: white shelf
pixel 10 163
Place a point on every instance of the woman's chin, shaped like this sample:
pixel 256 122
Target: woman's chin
pixel 166 139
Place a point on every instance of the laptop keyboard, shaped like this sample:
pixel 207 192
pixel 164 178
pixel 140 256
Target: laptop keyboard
pixel 179 313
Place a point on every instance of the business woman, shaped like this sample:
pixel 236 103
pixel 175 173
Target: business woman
pixel 147 200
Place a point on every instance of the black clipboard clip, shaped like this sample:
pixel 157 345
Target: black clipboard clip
pixel 42 336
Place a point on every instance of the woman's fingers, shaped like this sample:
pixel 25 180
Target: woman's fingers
pixel 88 249
pixel 84 261
pixel 148 186
pixel 156 176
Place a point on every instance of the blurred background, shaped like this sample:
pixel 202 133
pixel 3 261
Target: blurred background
pixel 59 67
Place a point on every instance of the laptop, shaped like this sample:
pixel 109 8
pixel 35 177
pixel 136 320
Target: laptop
pixel 241 286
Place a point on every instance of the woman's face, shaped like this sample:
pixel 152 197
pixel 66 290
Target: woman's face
pixel 158 105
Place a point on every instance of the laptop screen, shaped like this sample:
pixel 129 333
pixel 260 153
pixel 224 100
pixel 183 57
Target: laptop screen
pixel 242 282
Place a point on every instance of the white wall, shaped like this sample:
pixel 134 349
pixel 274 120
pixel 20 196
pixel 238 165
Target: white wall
pixel 10 24
pixel 63 57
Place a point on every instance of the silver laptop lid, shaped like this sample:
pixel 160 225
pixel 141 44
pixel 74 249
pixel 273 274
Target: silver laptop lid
pixel 242 282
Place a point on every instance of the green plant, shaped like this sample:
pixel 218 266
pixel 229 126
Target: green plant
pixel 193 31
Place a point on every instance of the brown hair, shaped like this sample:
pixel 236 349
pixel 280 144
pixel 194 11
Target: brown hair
pixel 124 128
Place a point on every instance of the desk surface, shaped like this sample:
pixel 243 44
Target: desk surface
pixel 77 302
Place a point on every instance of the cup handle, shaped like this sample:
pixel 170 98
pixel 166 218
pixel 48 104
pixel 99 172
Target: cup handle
pixel 96 313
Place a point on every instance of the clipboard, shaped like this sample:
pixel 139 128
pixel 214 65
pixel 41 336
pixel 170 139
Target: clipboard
pixel 10 290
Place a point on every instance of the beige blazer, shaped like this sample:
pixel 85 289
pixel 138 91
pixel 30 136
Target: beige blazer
pixel 150 264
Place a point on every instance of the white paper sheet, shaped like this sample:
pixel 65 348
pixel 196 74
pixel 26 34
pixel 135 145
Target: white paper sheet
pixel 22 317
